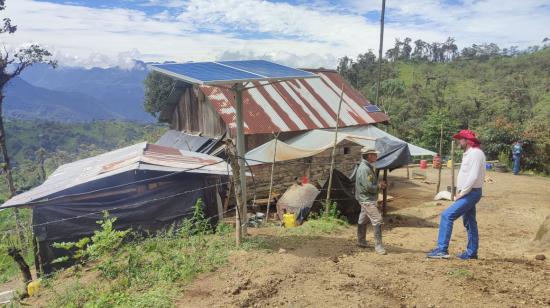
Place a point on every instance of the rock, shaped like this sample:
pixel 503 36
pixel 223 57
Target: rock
pixel 334 259
pixel 540 257
pixel 282 250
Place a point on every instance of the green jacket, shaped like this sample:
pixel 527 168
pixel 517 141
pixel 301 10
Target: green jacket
pixel 366 183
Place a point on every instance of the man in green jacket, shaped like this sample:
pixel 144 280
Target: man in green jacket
pixel 366 193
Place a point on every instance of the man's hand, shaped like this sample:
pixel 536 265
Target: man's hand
pixel 382 184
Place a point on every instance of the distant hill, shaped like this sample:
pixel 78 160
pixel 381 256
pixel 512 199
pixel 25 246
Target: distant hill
pixel 73 94
pixel 25 101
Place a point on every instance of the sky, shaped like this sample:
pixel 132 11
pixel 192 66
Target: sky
pixel 298 33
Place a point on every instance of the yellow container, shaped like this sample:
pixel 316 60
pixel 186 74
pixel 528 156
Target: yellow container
pixel 449 164
pixel 289 221
pixel 33 287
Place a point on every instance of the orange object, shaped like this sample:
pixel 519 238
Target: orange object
pixel 423 164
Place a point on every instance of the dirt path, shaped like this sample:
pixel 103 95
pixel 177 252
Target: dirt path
pixel 332 271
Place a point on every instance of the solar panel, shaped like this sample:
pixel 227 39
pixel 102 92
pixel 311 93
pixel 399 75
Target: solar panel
pixel 227 72
pixel 266 68
pixel 372 108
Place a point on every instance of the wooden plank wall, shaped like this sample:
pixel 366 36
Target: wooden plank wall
pixel 195 115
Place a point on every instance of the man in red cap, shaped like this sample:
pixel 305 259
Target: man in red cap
pixel 469 183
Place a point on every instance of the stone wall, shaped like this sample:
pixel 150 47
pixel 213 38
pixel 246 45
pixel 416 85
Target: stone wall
pixel 317 168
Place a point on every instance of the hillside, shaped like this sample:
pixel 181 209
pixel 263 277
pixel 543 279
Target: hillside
pixel 65 142
pixel 503 97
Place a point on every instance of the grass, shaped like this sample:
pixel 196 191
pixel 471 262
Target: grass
pixel 318 226
pixel 8 268
pixel 460 273
pixel 145 272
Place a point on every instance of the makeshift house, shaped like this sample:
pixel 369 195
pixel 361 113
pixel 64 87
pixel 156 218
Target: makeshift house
pixel 146 186
pixel 296 110
pixel 288 108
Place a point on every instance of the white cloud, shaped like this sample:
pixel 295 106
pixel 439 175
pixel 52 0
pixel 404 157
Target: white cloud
pixel 309 34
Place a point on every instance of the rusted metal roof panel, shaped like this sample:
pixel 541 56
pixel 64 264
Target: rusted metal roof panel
pixel 295 105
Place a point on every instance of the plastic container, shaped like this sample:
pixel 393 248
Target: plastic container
pixel 449 164
pixel 488 166
pixel 33 287
pixel 423 164
pixel 436 162
pixel 289 220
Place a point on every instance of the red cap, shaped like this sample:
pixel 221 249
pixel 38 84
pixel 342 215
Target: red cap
pixel 468 135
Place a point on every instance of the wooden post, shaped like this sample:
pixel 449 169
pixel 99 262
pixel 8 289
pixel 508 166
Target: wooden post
pixel 440 165
pixel 452 169
pixel 408 172
pixel 36 253
pixel 235 168
pixel 23 266
pixel 327 204
pixel 271 180
pixel 385 192
pixel 239 88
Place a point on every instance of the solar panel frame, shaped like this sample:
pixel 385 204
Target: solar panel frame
pixel 193 76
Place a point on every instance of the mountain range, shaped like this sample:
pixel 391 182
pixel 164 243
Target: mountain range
pixel 76 94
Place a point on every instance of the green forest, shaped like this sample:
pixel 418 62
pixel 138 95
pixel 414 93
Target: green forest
pixel 37 148
pixel 503 94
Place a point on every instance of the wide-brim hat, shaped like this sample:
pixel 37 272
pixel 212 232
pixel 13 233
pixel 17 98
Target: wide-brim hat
pixel 466 134
pixel 369 150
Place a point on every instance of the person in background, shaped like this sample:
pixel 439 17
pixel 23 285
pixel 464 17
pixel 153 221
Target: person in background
pixel 517 150
pixel 469 183
pixel 366 193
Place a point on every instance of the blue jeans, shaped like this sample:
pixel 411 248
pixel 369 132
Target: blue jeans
pixel 517 159
pixel 465 207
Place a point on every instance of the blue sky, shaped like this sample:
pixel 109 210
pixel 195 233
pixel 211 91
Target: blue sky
pixel 298 33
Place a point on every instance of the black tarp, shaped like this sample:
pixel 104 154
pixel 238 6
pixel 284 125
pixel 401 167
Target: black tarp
pixel 393 154
pixel 154 200
pixel 342 193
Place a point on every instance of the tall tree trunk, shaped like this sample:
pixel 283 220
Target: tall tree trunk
pixel 9 177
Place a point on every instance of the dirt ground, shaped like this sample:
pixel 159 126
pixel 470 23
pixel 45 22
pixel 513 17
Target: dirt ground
pixel 330 271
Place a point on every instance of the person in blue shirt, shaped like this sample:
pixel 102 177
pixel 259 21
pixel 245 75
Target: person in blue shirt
pixel 517 150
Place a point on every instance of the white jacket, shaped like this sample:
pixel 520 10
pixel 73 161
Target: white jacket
pixel 472 171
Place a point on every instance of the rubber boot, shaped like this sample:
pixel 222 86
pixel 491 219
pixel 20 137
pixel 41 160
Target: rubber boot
pixel 378 246
pixel 362 235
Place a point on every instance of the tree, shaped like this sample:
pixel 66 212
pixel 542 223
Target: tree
pixel 158 88
pixel 12 63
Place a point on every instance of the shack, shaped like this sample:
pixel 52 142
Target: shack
pixel 147 187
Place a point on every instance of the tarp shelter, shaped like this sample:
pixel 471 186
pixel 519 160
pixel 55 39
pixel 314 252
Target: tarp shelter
pixel 316 141
pixel 146 186
pixel 393 154
pixel 375 132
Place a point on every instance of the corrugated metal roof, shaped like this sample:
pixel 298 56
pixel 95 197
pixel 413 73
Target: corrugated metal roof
pixel 141 156
pixel 295 105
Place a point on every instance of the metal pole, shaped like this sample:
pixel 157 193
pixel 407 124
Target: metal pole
pixel 327 201
pixel 238 88
pixel 440 165
pixel 452 169
pixel 380 50
pixel 271 181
